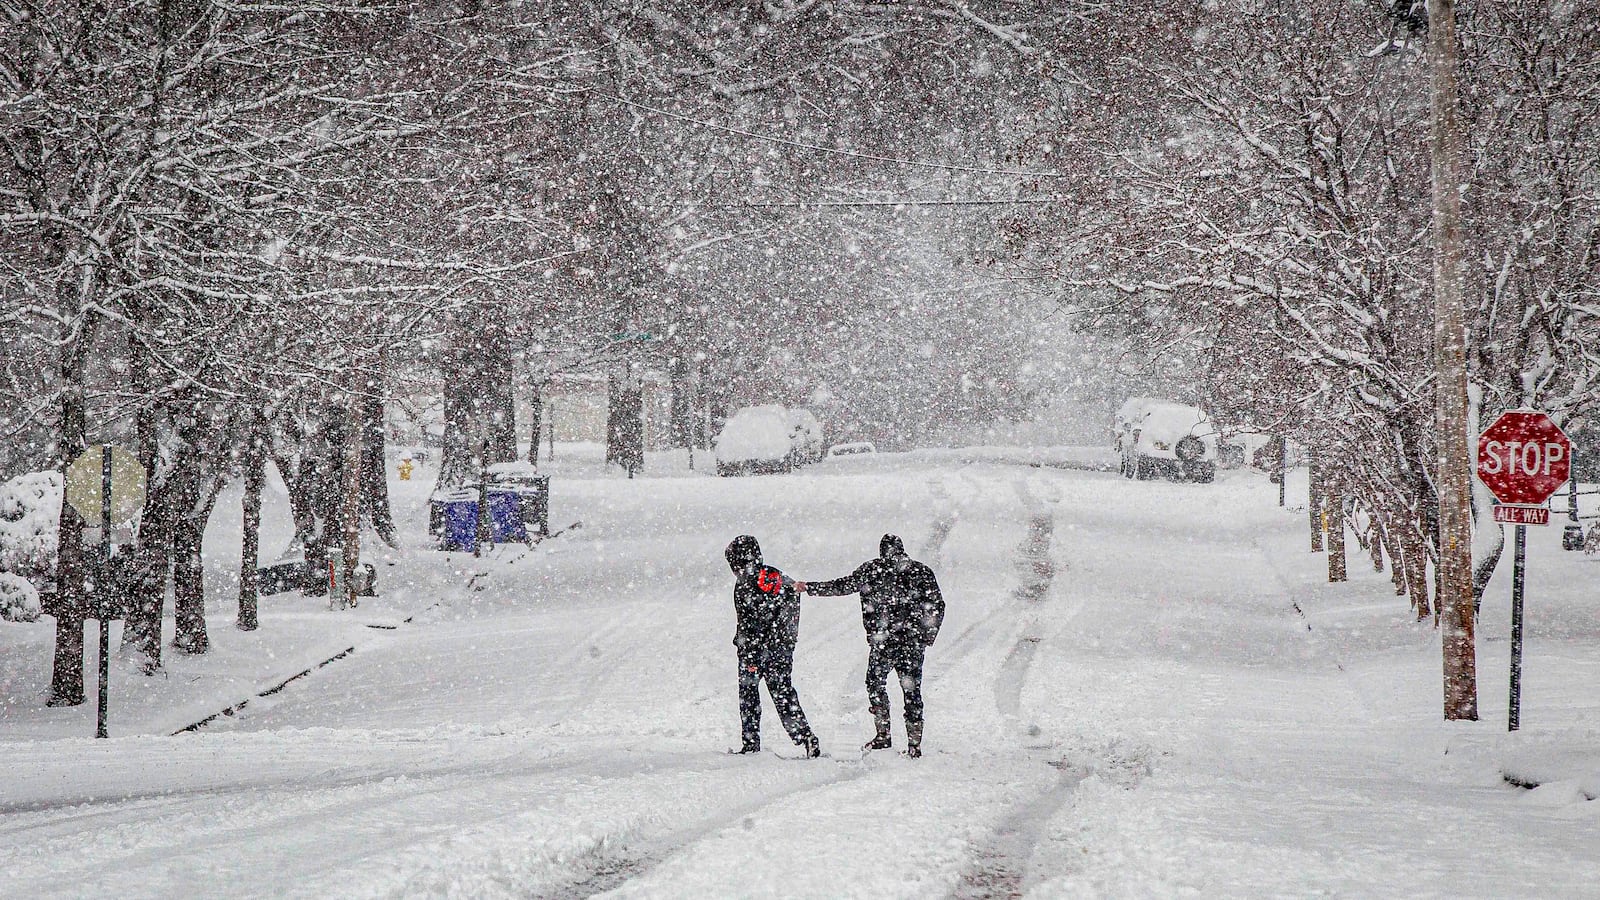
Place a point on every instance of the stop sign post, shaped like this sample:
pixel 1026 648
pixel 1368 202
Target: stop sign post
pixel 105 485
pixel 1523 457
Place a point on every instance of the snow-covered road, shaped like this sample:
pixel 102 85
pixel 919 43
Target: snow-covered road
pixel 1124 701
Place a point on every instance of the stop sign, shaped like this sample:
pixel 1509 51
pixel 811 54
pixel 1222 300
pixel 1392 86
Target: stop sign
pixel 1523 457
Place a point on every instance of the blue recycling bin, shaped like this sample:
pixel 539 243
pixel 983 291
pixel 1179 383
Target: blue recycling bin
pixel 505 517
pixel 505 521
pixel 460 524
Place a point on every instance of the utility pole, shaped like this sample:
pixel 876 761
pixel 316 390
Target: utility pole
pixel 1453 464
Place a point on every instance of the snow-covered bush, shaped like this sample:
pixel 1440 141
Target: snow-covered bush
pixel 30 512
pixel 19 599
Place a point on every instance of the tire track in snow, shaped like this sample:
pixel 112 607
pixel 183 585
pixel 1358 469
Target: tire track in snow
pixel 611 871
pixel 999 867
pixel 942 522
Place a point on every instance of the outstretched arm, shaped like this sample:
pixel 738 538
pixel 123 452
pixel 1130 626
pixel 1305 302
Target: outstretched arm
pixel 838 587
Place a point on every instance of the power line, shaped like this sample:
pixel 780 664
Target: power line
pixel 789 142
pixel 805 204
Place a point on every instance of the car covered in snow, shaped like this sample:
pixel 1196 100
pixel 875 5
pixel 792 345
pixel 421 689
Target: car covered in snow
pixel 852 448
pixel 754 440
pixel 805 437
pixel 1166 439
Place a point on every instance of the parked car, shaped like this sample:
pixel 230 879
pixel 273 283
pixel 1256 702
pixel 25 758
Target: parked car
pixel 754 440
pixel 1162 438
pixel 852 448
pixel 805 437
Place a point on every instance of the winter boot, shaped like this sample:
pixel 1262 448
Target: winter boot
pixel 914 739
pixel 880 741
pixel 751 746
pixel 813 747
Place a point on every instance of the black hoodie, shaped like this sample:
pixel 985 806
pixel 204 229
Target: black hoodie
pixel 765 605
pixel 900 597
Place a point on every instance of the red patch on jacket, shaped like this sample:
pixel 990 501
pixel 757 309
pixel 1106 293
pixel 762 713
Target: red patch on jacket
pixel 769 581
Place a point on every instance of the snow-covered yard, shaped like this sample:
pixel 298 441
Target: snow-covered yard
pixel 1141 689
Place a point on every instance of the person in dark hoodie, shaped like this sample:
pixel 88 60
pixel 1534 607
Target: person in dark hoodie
pixel 767 608
pixel 902 609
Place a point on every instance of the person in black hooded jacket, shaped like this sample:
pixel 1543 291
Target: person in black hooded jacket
pixel 901 609
pixel 767 609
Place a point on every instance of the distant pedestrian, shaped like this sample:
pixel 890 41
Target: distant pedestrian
pixel 767 608
pixel 901 609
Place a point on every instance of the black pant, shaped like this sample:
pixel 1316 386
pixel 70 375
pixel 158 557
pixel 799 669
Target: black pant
pixel 904 656
pixel 775 665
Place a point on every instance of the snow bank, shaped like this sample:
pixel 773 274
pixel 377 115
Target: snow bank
pixel 1096 458
pixel 30 513
pixel 19 599
pixel 1559 767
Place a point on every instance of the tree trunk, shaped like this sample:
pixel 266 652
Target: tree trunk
pixel 302 507
pixel 188 587
pixel 681 432
pixel 350 509
pixel 500 405
pixel 1454 470
pixel 1333 493
pixel 147 578
pixel 193 507
pixel 148 584
pixel 66 675
pixel 319 473
pixel 1390 531
pixel 465 425
pixel 625 423
pixel 1315 500
pixel 1416 557
pixel 535 422
pixel 1280 464
pixel 255 474
pixel 374 474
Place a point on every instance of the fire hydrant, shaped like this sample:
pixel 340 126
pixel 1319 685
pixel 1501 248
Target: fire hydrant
pixel 405 469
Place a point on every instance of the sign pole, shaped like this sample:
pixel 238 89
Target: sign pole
pixel 1523 458
pixel 1515 717
pixel 103 484
pixel 102 588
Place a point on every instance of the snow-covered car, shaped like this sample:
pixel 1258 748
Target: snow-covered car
pixel 805 437
pixel 1162 438
pixel 852 448
pixel 754 440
